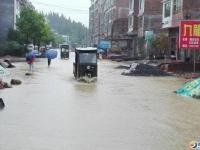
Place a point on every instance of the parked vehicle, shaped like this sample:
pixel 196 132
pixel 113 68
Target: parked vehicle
pixel 37 53
pixel 85 64
pixel 64 51
pixel 30 47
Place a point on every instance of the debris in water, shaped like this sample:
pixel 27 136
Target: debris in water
pixel 28 74
pixel 10 65
pixel 15 82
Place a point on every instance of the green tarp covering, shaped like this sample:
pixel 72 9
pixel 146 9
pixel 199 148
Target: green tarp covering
pixel 4 74
pixel 191 89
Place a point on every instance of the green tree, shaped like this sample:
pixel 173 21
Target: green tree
pixel 25 22
pixel 77 32
pixel 160 44
pixel 57 40
pixel 34 27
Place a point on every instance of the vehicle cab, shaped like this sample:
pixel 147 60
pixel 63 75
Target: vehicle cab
pixel 64 51
pixel 85 64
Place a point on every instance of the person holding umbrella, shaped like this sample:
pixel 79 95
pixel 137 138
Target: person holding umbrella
pixel 50 54
pixel 49 62
pixel 30 59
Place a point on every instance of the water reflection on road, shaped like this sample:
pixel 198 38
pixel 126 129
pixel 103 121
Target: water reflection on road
pixel 52 111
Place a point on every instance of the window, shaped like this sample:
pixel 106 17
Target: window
pixel 131 4
pixel 130 21
pixel 88 57
pixel 140 22
pixel 141 5
pixel 167 9
pixel 177 6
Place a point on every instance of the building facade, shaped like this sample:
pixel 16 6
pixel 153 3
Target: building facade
pixel 9 12
pixel 173 12
pixel 133 27
pixel 149 19
pixel 91 24
pixel 145 16
pixel 109 22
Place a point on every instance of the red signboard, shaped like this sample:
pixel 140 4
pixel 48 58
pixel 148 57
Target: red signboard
pixel 190 34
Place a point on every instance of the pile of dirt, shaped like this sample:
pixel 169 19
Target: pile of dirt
pixel 6 63
pixel 123 67
pixel 139 69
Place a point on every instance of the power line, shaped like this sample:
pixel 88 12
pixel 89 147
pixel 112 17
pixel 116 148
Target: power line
pixel 59 6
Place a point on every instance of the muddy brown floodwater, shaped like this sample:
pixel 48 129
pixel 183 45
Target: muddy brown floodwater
pixel 52 111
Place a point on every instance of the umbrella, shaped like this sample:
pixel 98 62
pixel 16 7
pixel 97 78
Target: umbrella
pixel 100 51
pixel 51 54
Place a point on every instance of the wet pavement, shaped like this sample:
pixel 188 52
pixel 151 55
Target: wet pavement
pixel 52 111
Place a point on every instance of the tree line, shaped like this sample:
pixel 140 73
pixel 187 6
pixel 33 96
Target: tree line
pixel 31 28
pixel 76 31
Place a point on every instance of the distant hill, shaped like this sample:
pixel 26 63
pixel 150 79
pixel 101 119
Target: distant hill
pixel 77 32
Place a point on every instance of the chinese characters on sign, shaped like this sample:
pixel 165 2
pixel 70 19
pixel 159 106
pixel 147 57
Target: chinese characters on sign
pixel 190 34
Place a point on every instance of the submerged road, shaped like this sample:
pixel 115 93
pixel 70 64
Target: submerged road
pixel 52 111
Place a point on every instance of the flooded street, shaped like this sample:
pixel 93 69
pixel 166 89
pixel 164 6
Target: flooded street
pixel 52 111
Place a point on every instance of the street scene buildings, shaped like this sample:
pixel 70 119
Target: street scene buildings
pixel 173 12
pixel 128 82
pixel 109 22
pixel 138 22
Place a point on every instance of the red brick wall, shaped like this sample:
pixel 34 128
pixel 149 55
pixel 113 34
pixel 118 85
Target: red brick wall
pixel 153 7
pixel 152 17
pixel 193 7
pixel 122 3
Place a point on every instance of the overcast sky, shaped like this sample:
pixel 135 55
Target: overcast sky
pixel 77 10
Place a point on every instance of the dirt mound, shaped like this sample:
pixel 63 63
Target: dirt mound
pixel 123 67
pixel 139 69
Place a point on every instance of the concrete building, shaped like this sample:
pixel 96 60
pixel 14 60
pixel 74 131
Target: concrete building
pixel 149 19
pixel 91 24
pixel 9 12
pixel 116 23
pixel 173 12
pixel 133 27
pixel 144 16
pixel 109 19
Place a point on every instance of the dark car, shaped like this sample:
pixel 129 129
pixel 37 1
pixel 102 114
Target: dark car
pixel 85 64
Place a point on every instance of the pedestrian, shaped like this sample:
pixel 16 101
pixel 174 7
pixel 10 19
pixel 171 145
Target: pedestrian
pixel 2 105
pixel 49 62
pixel 30 60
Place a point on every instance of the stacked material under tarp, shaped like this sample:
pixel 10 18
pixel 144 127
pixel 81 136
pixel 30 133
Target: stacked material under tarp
pixel 191 89
pixel 4 78
pixel 4 74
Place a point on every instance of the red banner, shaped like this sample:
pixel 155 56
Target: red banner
pixel 190 34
